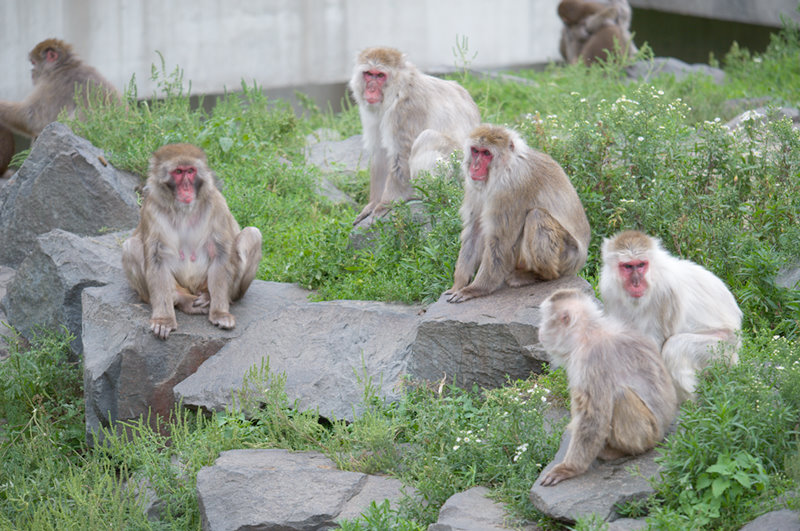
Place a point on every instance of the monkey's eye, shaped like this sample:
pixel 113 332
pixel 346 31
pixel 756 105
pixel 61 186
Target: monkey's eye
pixel 380 75
pixel 474 151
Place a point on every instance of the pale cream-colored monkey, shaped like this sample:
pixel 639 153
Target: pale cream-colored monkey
pixel 522 219
pixel 688 311
pixel 410 120
pixel 187 250
pixel 622 398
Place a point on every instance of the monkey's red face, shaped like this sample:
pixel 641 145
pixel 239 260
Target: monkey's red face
pixel 633 277
pixel 183 178
pixel 373 85
pixel 479 168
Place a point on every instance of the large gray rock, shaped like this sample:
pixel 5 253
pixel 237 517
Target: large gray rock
pixel 484 340
pixel 6 333
pixel 598 490
pixel 46 290
pixel 783 520
pixel 65 183
pixel 280 490
pixel 128 372
pixel 646 70
pixel 341 156
pixel 472 510
pixel 323 348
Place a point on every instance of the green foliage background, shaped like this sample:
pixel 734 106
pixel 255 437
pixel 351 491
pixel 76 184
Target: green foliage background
pixel 652 155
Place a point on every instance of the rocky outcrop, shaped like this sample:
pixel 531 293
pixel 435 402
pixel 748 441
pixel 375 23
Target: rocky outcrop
pixel 65 183
pixel 473 510
pixel 278 489
pixel 46 290
pixel 646 70
pixel 598 490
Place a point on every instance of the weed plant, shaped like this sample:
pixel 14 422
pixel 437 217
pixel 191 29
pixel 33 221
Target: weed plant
pixel 651 155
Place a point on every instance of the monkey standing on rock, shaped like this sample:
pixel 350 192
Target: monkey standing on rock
pixel 523 220
pixel 622 397
pixel 187 250
pixel 410 120
pixel 57 75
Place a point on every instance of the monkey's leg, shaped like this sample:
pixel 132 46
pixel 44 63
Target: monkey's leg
pixel 378 171
pixel 219 289
pixel 429 149
pixel 634 428
pixel 133 265
pixel 547 250
pixel 685 354
pixel 247 249
pixel 18 117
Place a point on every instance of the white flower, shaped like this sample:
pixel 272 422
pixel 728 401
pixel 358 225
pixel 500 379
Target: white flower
pixel 456 447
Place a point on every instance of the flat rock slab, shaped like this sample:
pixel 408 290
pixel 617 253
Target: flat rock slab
pixel 473 510
pixel 327 350
pixel 281 490
pixel 338 155
pixel 604 485
pixel 485 340
pixel 783 520
pixel 46 290
pixel 129 372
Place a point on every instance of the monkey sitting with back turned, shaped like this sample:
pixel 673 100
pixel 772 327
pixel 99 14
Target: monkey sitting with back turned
pixel 622 397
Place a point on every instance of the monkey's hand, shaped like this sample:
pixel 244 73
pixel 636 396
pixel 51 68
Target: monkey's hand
pixel 222 319
pixel 559 473
pixel 162 326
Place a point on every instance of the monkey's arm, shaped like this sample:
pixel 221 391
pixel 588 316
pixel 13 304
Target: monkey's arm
pixel 497 263
pixel 219 282
pixel 17 117
pixel 590 427
pixel 161 288
pixel 468 256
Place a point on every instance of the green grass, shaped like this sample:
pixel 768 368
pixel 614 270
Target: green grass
pixel 651 156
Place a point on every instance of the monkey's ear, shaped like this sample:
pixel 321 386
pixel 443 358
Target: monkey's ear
pixel 565 318
pixel 511 145
pixel 51 56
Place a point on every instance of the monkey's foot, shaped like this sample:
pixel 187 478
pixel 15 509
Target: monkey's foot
pixel 194 305
pixel 162 326
pixel 222 319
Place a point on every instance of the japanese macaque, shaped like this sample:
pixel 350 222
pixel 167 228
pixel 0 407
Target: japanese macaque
pixel 689 312
pixel 188 250
pixel 622 397
pixel 58 76
pixel 410 120
pixel 592 30
pixel 522 219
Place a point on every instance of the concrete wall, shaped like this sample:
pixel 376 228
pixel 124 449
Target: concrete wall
pixel 761 12
pixel 277 43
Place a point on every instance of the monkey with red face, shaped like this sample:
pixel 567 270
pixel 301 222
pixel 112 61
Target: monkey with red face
pixel 683 307
pixel 410 120
pixel 522 219
pixel 187 250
